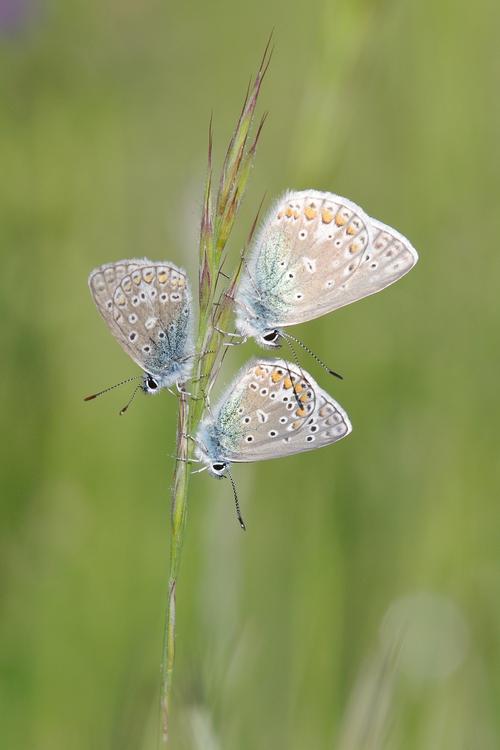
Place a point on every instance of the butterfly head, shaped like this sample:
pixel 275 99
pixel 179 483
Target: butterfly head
pixel 178 371
pixel 209 450
pixel 258 329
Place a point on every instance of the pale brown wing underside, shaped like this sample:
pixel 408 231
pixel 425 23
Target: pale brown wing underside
pixel 261 414
pixel 317 252
pixel 139 300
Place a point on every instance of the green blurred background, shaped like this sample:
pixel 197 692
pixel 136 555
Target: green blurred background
pixel 362 607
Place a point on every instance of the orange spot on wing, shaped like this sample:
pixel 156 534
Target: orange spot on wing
pixel 340 220
pixel 351 229
pixel 287 383
pixel 310 212
pixel 289 212
pixel 300 412
pixel 276 377
pixel 326 216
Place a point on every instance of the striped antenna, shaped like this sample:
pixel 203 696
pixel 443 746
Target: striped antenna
pixel 111 387
pixel 311 353
pixel 236 501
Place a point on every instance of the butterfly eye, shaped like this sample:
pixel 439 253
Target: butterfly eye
pixel 151 383
pixel 272 336
pixel 218 468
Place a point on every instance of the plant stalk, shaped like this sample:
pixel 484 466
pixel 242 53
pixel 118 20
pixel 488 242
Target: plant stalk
pixel 178 523
pixel 215 307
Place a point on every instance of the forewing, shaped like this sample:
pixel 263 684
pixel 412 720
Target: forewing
pixel 145 305
pixel 260 418
pixel 310 245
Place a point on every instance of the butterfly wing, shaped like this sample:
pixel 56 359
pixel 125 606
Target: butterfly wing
pixel 259 418
pixel 310 245
pixel 389 257
pixel 147 307
pixel 316 253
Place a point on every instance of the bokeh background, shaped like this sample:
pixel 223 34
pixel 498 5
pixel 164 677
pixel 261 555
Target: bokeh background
pixel 361 610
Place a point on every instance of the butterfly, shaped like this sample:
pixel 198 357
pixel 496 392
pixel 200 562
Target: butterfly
pixel 272 409
pixel 147 307
pixel 315 252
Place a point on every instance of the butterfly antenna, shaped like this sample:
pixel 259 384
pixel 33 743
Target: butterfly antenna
pixel 122 411
pixel 236 501
pixel 111 387
pixel 320 362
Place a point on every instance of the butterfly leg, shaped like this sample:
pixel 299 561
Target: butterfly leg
pixel 182 392
pixel 204 397
pixel 202 377
pixel 201 355
pixel 241 304
pixel 232 335
pixel 208 405
pixel 227 333
pixel 185 460
pixel 196 441
pixel 189 437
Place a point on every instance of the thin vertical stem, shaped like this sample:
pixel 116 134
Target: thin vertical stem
pixel 178 522
pixel 218 216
